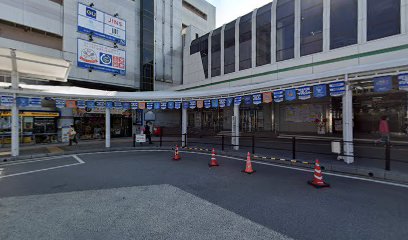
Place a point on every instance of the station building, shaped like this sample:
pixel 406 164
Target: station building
pixel 289 44
pixel 121 45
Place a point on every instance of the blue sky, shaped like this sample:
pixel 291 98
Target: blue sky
pixel 228 10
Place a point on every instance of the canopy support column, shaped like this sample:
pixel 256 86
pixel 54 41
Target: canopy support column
pixel 184 127
pixel 235 128
pixel 15 129
pixel 348 138
pixel 107 128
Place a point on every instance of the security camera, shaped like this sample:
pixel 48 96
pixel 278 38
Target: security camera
pixel 116 15
pixel 92 4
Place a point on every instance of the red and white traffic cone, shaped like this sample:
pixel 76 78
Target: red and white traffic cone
pixel 176 154
pixel 317 181
pixel 248 165
pixel 213 162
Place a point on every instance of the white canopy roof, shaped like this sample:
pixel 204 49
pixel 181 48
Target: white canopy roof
pixel 34 66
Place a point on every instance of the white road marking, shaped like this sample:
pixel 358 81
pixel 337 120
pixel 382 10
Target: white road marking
pixel 80 161
pixel 19 162
pixel 1 171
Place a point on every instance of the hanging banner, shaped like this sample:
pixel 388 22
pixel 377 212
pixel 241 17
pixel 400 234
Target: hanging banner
pixel 35 102
pixel 403 82
pixel 222 102
pixel 200 103
pixel 90 104
pixel 157 105
pixel 81 104
pixel 257 98
pixel 267 97
pixel 117 105
pixel 7 101
pixel 248 100
pixel 230 101
pixel 320 91
pixel 70 104
pixel 109 105
pixel 337 89
pixel 170 105
pixel 186 105
pixel 142 105
pixel 100 57
pixel 59 103
pixel 149 105
pixel 193 104
pixel 207 103
pixel 134 105
pixel 382 84
pixel 214 103
pixel 304 93
pixel 177 105
pixel 278 96
pixel 22 101
pixel 99 104
pixel 237 100
pixel 290 94
pixel 126 105
pixel 163 105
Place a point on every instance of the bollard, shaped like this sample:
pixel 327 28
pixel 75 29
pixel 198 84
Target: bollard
pixel 293 147
pixel 387 156
pixel 222 144
pixel 134 140
pixel 161 137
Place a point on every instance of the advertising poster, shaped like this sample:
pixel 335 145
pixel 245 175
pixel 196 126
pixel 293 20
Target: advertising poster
pixel 102 58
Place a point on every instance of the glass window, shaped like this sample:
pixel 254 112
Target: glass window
pixel 147 46
pixel 383 18
pixel 195 46
pixel 204 53
pixel 285 29
pixel 229 48
pixel 343 30
pixel 216 53
pixel 245 42
pixel 311 27
pixel 263 35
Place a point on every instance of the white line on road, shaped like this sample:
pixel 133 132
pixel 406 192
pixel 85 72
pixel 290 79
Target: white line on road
pixel 19 162
pixel 80 161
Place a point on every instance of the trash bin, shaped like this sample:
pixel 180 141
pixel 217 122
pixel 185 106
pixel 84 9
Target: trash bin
pixel 157 131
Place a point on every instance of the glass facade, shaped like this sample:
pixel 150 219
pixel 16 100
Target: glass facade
pixel 204 53
pixel 343 31
pixel 311 27
pixel 229 48
pixel 383 18
pixel 263 35
pixel 216 53
pixel 245 42
pixel 285 29
pixel 147 45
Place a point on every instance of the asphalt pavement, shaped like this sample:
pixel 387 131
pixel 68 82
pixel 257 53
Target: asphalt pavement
pixel 145 195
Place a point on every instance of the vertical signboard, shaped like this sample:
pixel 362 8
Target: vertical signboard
pixel 99 57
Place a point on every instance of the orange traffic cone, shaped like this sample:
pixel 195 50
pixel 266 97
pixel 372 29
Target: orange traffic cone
pixel 248 167
pixel 213 162
pixel 176 154
pixel 318 177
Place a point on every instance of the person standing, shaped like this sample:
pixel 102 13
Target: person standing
pixel 72 135
pixel 148 133
pixel 384 130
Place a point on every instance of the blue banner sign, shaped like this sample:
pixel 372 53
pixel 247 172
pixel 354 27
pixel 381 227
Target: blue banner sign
pixel 382 84
pixel 403 82
pixel 257 98
pixel 149 105
pixel 337 89
pixel 186 105
pixel 193 104
pixel 214 103
pixel 278 96
pixel 100 24
pixel 230 101
pixel 177 105
pixel 99 104
pixel 81 104
pixel 22 101
pixel 170 105
pixel 222 102
pixel 134 105
pixel 248 100
pixel 304 93
pixel 320 91
pixel 163 105
pixel 237 100
pixel 109 104
pixel 126 105
pixel 59 103
pixel 157 105
pixel 290 94
pixel 207 103
pixel 90 104
pixel 117 105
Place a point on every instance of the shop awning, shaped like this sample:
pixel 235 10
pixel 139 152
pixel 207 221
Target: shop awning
pixel 31 66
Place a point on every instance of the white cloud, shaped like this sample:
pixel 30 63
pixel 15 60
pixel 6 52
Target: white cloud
pixel 229 10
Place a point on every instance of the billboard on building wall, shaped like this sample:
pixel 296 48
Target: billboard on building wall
pixel 100 24
pixel 99 57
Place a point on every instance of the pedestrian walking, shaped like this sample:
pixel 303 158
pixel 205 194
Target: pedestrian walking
pixel 384 130
pixel 148 133
pixel 72 135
